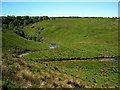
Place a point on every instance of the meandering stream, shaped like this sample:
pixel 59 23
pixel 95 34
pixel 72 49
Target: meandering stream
pixel 71 59
pixel 23 54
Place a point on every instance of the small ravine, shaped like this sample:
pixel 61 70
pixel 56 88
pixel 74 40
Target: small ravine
pixel 110 59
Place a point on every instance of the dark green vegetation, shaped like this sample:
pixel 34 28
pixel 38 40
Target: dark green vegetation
pixel 16 24
pixel 75 38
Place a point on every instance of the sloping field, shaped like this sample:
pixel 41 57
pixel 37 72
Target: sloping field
pixel 78 38
pixel 13 44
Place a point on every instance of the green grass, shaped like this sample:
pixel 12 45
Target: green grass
pixel 91 72
pixel 77 38
pixel 13 43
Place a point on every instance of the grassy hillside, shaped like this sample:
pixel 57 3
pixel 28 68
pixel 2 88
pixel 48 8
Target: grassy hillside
pixel 78 38
pixel 13 44
pixel 75 38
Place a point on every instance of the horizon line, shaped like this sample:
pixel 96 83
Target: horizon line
pixel 59 16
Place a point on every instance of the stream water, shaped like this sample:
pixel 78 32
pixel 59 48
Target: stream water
pixel 23 54
pixel 110 59
pixel 53 46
